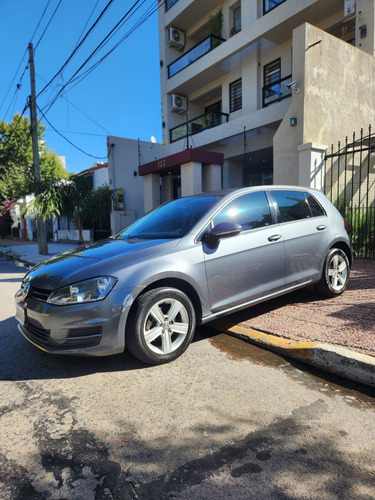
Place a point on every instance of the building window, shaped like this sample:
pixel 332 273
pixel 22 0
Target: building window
pixel 235 95
pixel 169 3
pixel 271 4
pixel 272 72
pixel 272 90
pixel 236 20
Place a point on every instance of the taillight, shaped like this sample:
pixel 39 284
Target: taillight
pixel 346 224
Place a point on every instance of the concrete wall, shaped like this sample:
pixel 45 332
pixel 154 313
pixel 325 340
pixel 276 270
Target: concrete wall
pixel 100 177
pixel 124 158
pixel 336 98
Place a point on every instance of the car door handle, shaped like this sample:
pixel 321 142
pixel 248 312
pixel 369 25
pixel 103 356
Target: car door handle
pixel 322 227
pixel 274 237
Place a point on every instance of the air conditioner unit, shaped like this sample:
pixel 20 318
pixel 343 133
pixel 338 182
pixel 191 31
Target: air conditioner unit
pixel 178 103
pixel 176 38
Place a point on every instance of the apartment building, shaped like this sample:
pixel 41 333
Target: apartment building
pixel 254 91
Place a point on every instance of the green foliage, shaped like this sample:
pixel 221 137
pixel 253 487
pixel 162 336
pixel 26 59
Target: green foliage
pixel 98 207
pixel 16 159
pixel 74 199
pixel 48 201
pixel 215 24
pixel 361 222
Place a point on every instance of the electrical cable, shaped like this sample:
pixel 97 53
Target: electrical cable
pixel 90 56
pixel 76 49
pixel 80 110
pixel 74 77
pixel 40 20
pixel 15 75
pixel 48 24
pixel 23 57
pixel 67 140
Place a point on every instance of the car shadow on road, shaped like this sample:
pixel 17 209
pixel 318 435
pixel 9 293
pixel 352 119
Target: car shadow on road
pixel 20 360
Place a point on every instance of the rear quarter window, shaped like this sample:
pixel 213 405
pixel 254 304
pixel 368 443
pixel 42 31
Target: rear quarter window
pixel 316 209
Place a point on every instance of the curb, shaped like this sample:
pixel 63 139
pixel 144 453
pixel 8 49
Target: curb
pixel 338 360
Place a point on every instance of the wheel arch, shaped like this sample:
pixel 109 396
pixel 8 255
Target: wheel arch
pixel 184 287
pixel 345 248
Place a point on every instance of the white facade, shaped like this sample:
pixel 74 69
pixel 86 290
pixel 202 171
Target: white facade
pixel 276 133
pixel 282 81
pixel 124 158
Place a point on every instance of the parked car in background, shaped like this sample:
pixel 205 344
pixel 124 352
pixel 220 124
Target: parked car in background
pixel 187 262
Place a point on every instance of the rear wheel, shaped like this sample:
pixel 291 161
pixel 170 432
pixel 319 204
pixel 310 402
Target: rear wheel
pixel 335 275
pixel 161 326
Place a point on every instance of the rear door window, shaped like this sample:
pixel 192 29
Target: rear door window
pixel 292 205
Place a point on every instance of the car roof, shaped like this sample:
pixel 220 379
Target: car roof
pixel 221 193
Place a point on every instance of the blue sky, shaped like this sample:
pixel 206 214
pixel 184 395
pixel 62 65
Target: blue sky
pixel 120 97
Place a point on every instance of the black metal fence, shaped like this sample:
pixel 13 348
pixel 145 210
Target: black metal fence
pixel 349 182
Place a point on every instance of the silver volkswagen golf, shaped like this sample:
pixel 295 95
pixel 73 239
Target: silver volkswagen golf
pixel 187 262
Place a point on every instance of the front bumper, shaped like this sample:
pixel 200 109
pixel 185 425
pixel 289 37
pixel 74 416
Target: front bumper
pixel 90 329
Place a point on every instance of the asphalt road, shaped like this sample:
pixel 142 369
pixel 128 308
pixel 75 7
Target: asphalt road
pixel 226 420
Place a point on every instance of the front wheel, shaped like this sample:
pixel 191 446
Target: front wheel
pixel 161 326
pixel 335 275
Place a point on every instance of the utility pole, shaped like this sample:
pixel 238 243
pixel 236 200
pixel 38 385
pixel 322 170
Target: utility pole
pixel 40 225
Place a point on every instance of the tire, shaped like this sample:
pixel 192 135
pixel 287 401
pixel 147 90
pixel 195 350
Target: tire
pixel 335 276
pixel 161 326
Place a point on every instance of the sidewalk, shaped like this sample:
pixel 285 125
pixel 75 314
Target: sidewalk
pixel 27 251
pixel 335 335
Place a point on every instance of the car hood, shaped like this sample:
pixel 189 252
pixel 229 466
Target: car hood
pixel 87 261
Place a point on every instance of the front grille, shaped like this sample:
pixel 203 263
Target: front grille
pixel 39 293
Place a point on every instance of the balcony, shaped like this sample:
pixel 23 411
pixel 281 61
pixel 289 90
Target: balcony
pixel 204 47
pixel 276 91
pixel 198 124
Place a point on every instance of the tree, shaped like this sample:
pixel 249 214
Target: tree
pixel 16 159
pixel 72 198
pixel 98 206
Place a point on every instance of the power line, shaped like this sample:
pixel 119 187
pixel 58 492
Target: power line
pixel 76 49
pixel 143 19
pixel 23 57
pixel 82 112
pixel 48 24
pixel 90 56
pixel 15 75
pixel 40 20
pixel 67 140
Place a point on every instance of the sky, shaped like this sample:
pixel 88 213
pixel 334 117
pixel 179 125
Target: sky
pixel 120 96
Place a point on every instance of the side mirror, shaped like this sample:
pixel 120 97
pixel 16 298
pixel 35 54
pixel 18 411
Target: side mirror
pixel 222 230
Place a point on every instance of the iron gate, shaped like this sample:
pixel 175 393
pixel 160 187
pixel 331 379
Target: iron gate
pixel 349 182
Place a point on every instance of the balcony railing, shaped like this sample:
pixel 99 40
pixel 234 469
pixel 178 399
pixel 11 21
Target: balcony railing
pixel 208 44
pixel 198 124
pixel 276 91
pixel 170 3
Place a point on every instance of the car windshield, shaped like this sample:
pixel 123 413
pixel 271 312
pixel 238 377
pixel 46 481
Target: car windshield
pixel 172 220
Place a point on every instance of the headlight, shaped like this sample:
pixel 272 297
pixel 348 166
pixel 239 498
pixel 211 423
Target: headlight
pixel 84 291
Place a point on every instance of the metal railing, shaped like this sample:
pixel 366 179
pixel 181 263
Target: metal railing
pixel 205 46
pixel 349 182
pixel 198 124
pixel 276 91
